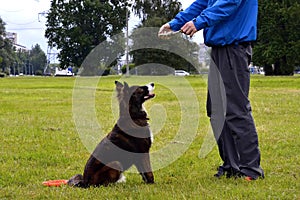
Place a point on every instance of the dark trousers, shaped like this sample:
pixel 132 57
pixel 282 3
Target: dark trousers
pixel 229 109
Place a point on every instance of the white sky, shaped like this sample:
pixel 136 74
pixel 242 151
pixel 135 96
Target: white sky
pixel 23 18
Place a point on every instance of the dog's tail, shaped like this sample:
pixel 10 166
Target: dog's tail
pixel 77 181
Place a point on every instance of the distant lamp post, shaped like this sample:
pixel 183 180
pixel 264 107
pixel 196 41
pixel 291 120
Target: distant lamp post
pixel 127 38
pixel 14 68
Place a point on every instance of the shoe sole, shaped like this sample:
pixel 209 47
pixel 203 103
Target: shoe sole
pixel 248 178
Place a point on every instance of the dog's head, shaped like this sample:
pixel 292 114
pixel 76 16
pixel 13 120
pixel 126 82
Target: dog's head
pixel 131 99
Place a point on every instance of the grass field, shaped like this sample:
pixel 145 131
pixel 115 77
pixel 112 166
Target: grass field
pixel 39 141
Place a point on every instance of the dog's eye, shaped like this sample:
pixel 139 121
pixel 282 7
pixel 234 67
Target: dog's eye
pixel 140 90
pixel 144 89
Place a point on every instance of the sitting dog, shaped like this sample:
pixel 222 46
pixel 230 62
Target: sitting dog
pixel 127 144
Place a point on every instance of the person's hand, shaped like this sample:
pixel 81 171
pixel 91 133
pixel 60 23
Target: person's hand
pixel 189 29
pixel 166 28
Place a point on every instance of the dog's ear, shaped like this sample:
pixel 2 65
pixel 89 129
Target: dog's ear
pixel 126 86
pixel 119 85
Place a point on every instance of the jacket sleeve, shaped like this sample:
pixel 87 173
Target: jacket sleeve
pixel 205 15
pixel 216 13
pixel 188 14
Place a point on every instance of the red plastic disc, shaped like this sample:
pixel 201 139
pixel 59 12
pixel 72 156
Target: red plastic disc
pixel 55 183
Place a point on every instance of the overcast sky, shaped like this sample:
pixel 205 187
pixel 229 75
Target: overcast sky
pixel 25 18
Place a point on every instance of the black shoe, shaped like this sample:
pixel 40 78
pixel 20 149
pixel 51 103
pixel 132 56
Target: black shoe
pixel 251 176
pixel 220 172
pixel 247 178
pixel 231 172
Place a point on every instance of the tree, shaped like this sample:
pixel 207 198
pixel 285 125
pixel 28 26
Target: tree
pixel 2 33
pixel 77 26
pixel 29 62
pixel 179 52
pixel 150 9
pixel 7 54
pixel 278 43
pixel 154 13
pixel 37 59
pixel 16 61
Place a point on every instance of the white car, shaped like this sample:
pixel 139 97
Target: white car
pixel 63 72
pixel 181 73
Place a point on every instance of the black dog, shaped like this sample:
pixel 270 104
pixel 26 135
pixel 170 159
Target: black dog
pixel 127 144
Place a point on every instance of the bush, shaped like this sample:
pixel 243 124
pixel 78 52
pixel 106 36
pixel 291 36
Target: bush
pixel 131 66
pixel 39 72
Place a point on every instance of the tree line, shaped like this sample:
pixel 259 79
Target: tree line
pixel 15 61
pixel 278 44
pixel 76 27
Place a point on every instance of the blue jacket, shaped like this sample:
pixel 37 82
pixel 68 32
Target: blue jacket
pixel 224 21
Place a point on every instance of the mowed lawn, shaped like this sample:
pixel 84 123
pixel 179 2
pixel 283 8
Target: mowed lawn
pixel 39 140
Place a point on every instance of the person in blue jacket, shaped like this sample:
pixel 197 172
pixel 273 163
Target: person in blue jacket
pixel 229 27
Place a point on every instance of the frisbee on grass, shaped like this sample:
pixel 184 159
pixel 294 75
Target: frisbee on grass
pixel 55 183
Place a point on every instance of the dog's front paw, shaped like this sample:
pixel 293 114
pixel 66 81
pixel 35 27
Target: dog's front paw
pixel 151 181
pixel 122 179
pixel 76 181
pixel 148 177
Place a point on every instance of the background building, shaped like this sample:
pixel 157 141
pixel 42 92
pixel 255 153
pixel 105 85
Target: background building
pixel 13 37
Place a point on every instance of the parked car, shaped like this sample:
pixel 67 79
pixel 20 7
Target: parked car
pixel 181 73
pixel 297 70
pixel 260 71
pixel 64 72
pixel 256 70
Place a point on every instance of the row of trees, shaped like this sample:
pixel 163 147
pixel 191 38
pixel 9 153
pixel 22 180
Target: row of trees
pixel 6 49
pixel 278 44
pixel 179 52
pixel 13 61
pixel 76 27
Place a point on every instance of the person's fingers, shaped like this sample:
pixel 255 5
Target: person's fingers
pixel 192 33
pixel 163 30
pixel 184 28
pixel 189 29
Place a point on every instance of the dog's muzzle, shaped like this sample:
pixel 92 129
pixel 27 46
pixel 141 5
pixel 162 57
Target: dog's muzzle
pixel 150 95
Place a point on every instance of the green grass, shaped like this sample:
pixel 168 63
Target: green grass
pixel 39 141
